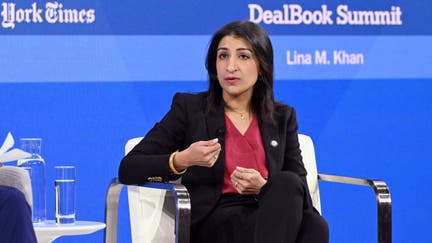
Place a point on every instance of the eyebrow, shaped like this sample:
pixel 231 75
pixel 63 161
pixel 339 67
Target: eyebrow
pixel 238 49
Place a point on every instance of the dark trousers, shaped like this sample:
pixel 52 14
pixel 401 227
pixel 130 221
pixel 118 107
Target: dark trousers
pixel 281 213
pixel 15 217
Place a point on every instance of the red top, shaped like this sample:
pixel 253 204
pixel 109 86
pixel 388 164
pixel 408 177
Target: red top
pixel 246 151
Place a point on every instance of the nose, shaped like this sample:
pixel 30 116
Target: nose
pixel 232 67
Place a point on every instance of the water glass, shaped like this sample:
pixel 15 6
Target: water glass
pixel 65 194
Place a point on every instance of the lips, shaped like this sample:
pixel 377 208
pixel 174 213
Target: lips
pixel 231 79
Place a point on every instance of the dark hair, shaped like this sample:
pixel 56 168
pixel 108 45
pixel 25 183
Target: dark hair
pixel 263 97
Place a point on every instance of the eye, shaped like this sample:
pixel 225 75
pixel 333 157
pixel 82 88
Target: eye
pixel 244 57
pixel 222 56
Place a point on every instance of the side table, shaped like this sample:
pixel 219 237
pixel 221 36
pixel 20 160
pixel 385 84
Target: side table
pixel 48 231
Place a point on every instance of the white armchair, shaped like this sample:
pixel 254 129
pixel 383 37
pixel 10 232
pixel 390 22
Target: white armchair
pixel 157 206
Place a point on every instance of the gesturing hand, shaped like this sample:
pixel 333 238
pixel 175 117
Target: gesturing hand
pixel 201 153
pixel 247 181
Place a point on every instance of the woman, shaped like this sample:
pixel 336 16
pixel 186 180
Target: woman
pixel 15 213
pixel 235 149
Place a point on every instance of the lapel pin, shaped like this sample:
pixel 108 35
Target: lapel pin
pixel 274 143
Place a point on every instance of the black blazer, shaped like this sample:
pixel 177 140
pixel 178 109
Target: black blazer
pixel 189 121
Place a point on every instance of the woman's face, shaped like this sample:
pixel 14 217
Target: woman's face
pixel 237 67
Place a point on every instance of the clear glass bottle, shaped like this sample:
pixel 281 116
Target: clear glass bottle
pixel 35 164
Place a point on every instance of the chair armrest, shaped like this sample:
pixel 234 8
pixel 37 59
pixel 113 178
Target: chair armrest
pixel 180 196
pixel 382 193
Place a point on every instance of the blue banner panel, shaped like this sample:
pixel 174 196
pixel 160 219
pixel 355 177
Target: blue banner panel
pixel 159 58
pixel 153 17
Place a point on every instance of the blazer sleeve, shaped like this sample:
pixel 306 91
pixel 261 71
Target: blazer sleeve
pixel 149 158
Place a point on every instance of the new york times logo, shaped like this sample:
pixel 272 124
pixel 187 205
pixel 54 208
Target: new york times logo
pixel 54 12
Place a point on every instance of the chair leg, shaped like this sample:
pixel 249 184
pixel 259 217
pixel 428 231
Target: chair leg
pixel 382 193
pixel 111 211
pixel 384 212
pixel 182 210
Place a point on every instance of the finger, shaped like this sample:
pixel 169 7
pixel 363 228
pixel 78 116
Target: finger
pixel 212 156
pixel 236 175
pixel 234 181
pixel 208 163
pixel 241 175
pixel 211 163
pixel 237 186
pixel 213 148
pixel 206 146
pixel 244 190
pixel 209 142
pixel 232 177
pixel 245 170
pixel 216 155
pixel 248 188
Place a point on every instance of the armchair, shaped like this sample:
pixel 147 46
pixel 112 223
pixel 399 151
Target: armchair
pixel 168 204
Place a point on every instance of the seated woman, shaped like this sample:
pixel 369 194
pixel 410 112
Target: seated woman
pixel 15 216
pixel 235 149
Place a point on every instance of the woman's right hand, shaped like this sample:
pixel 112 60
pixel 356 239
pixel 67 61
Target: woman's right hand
pixel 201 153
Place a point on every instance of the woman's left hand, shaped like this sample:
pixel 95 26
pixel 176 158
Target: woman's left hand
pixel 247 181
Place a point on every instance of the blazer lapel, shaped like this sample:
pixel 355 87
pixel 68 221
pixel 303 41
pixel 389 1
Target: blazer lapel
pixel 216 129
pixel 272 145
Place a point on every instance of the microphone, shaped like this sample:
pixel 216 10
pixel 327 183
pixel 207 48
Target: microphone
pixel 220 132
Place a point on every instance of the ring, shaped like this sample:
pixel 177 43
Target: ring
pixel 236 184
pixel 215 157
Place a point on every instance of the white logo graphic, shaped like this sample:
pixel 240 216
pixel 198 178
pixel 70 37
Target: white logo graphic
pixel 294 14
pixel 53 13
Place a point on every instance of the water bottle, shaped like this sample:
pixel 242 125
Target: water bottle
pixel 35 165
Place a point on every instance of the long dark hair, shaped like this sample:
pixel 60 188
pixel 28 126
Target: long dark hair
pixel 263 97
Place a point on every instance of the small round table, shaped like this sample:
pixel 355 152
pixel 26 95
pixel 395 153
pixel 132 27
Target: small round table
pixel 48 231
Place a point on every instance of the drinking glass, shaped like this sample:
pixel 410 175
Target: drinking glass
pixel 65 194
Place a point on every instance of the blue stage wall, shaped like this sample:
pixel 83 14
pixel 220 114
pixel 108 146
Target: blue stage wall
pixel 85 88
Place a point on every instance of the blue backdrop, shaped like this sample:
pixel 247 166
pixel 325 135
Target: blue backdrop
pixel 89 78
